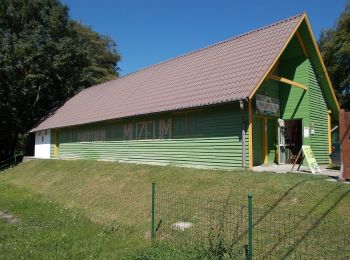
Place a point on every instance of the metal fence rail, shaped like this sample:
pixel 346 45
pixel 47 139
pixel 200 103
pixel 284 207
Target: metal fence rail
pixel 221 228
pixel 285 235
pixel 218 226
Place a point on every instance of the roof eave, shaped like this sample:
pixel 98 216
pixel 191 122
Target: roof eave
pixel 306 19
pixel 269 70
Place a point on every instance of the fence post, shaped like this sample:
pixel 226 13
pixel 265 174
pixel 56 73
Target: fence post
pixel 153 233
pixel 250 226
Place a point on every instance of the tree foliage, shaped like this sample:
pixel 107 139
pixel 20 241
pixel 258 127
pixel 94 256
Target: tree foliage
pixel 335 47
pixel 45 58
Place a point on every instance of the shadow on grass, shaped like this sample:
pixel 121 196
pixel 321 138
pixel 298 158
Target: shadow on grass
pixel 307 215
pixel 315 224
pixel 281 236
pixel 278 201
pixel 220 244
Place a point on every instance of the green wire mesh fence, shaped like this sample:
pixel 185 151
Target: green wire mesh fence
pixel 12 161
pixel 292 236
pixel 217 226
pixel 220 229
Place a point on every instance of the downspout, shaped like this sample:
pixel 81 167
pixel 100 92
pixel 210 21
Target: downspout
pixel 241 105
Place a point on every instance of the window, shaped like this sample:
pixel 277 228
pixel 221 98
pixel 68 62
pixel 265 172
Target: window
pixel 179 125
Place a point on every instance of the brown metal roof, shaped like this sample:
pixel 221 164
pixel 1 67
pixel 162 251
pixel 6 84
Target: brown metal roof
pixel 223 72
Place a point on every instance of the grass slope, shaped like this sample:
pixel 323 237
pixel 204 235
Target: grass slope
pixel 44 230
pixel 106 195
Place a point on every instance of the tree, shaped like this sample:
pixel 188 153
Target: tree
pixel 102 54
pixel 45 58
pixel 335 48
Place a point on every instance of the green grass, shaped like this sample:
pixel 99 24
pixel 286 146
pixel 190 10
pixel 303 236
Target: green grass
pixel 43 230
pixel 81 209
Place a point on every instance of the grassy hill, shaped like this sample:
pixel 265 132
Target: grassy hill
pixel 111 201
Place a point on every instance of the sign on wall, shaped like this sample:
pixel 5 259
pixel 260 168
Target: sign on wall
pixel 92 136
pixel 143 130
pixel 133 130
pixel 266 105
pixel 306 132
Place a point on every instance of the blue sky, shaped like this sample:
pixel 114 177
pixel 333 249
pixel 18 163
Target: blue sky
pixel 150 31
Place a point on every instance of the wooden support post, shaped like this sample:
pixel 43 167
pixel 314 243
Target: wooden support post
pixel 57 143
pixel 265 140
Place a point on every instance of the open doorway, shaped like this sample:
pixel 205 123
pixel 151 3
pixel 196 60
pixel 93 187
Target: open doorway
pixel 293 140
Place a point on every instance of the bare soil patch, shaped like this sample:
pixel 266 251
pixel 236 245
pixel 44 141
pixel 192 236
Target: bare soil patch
pixel 10 218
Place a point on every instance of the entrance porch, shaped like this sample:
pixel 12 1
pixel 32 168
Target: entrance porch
pixel 287 168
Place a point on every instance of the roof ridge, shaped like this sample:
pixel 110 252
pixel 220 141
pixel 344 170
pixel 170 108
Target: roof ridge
pixel 202 49
pixel 216 44
pixel 191 88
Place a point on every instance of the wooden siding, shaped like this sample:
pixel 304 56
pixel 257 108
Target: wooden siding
pixel 318 118
pixel 295 101
pixel 209 138
pixel 268 88
pixel 271 140
pixel 258 147
pixel 52 147
pixel 310 106
pixel 319 70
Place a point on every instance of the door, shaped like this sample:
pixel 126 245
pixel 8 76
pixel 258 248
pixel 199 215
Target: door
pixel 294 139
pixel 281 142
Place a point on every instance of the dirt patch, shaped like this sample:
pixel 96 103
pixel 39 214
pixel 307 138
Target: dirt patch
pixel 10 218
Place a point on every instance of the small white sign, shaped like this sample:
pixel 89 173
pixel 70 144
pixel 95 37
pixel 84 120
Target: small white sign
pixel 306 132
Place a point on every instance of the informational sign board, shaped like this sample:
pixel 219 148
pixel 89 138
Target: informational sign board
pixel 265 105
pixel 310 158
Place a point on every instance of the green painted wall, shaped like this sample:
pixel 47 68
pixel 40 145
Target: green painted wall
pixel 258 146
pixel 258 152
pixel 209 138
pixel 310 106
pixel 295 101
pixel 52 148
pixel 268 88
pixel 318 118
pixel 271 140
pixel 318 70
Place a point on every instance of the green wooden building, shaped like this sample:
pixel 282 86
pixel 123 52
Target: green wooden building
pixel 250 100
